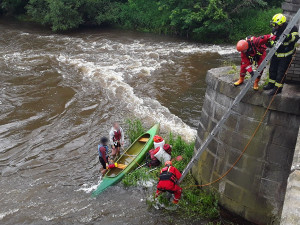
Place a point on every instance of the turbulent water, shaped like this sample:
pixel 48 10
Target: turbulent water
pixel 61 92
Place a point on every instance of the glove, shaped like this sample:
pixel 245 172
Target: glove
pixel 288 37
pixel 252 73
pixel 270 44
pixel 273 37
pixel 111 166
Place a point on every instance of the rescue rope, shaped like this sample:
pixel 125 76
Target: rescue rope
pixel 251 138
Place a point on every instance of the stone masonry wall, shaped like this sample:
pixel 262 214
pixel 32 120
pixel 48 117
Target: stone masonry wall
pixel 255 188
pixel 291 207
pixel 290 7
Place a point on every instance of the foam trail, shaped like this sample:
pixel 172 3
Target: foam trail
pixel 148 109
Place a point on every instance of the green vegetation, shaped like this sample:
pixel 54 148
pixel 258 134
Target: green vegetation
pixel 194 202
pixel 203 20
pixel 135 129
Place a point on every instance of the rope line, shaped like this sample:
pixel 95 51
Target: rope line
pixel 251 138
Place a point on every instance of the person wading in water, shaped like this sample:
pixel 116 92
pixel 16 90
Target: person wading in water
pixel 116 137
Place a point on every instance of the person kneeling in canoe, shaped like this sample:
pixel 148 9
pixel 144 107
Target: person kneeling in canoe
pixel 103 154
pixel 168 178
pixel 116 137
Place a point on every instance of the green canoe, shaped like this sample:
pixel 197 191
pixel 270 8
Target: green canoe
pixel 132 157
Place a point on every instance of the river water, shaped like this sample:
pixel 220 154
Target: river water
pixel 61 92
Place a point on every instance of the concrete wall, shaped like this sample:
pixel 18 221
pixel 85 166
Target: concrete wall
pixel 291 207
pixel 255 188
pixel 290 7
pixel 293 74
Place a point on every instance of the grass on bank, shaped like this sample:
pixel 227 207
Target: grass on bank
pixel 194 202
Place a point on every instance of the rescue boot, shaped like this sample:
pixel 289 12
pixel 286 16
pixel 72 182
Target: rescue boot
pixel 269 86
pixel 239 82
pixel 274 91
pixel 255 86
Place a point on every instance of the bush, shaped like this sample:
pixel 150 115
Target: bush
pixel 69 14
pixel 252 22
pixel 205 20
pixel 13 6
pixel 135 129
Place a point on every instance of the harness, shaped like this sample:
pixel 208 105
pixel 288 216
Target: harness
pixel 257 52
pixel 167 175
pixel 106 150
pixel 117 135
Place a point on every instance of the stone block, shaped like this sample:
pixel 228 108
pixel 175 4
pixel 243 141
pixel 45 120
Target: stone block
pixel 233 192
pixel 247 125
pixel 263 133
pixel 290 7
pixel 259 216
pixel 232 155
pixel 208 106
pixel 204 119
pixel 284 103
pixel 279 118
pixel 254 166
pixel 233 139
pixel 268 188
pixel 250 110
pixel 276 174
pixel 294 121
pixel 236 140
pixel 284 137
pixel 213 146
pixel 241 178
pixel 256 149
pixel 231 122
pixel 223 100
pixel 211 93
pixel 232 205
pixel 277 154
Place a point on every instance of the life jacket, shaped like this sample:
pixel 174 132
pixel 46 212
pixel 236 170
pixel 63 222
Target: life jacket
pixel 102 146
pixel 117 135
pixel 254 51
pixel 165 174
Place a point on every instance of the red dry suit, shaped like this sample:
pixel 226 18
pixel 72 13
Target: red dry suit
pixel 255 53
pixel 168 178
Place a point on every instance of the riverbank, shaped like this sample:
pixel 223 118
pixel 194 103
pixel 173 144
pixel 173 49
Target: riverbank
pixel 203 21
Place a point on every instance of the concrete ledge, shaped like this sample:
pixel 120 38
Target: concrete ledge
pixel 289 100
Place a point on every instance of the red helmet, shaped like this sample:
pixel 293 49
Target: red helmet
pixel 168 163
pixel 242 45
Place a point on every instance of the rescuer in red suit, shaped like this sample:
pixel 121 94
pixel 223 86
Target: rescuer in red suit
pixel 168 178
pixel 253 50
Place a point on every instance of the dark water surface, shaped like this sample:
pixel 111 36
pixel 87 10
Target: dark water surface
pixel 60 92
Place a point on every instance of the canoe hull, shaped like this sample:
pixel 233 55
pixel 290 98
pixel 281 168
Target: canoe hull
pixel 132 157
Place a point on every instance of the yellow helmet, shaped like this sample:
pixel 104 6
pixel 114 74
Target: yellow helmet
pixel 278 19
